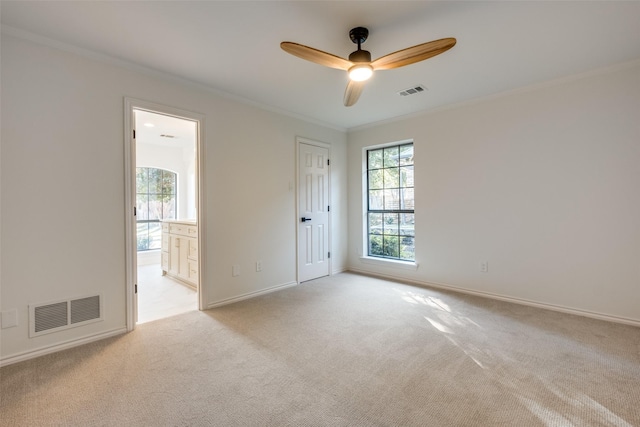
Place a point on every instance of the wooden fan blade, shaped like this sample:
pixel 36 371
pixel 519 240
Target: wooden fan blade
pixel 315 55
pixel 413 54
pixel 352 93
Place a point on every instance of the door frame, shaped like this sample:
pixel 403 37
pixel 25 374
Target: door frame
pixel 301 140
pixel 131 252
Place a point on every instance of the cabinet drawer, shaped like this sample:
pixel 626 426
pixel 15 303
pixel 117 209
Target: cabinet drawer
pixel 184 230
pixel 165 227
pixel 178 229
pixel 165 242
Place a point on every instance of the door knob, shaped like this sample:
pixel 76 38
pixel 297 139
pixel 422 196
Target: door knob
pixel 303 219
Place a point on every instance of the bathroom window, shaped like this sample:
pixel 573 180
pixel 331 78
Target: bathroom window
pixel 155 201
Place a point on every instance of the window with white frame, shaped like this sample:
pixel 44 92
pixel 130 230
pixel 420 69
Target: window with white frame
pixel 155 201
pixel 390 202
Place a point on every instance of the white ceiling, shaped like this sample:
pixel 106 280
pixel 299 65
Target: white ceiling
pixel 166 131
pixel 233 46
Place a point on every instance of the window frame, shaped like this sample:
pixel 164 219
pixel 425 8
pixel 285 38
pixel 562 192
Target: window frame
pixel 366 255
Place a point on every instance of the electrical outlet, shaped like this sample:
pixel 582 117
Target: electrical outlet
pixel 258 266
pixel 235 270
pixel 484 266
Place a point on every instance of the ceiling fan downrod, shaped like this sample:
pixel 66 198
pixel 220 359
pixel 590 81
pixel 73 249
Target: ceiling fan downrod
pixel 359 35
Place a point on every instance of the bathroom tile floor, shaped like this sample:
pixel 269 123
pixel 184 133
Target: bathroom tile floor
pixel 160 296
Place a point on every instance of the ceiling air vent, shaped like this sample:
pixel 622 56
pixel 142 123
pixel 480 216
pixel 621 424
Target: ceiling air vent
pixel 413 90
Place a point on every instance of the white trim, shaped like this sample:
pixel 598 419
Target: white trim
pixel 130 247
pixel 251 295
pixel 56 44
pixel 87 53
pixel 493 296
pixel 327 146
pixel 529 88
pixel 132 104
pixel 387 262
pixel 41 351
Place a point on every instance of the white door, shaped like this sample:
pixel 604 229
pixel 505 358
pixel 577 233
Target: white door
pixel 313 210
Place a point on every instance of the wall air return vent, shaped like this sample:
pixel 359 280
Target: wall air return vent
pixel 56 316
pixel 413 90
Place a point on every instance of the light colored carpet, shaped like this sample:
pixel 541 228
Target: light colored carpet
pixel 346 350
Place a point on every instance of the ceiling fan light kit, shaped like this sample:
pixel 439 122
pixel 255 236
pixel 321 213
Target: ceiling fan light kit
pixel 359 65
pixel 360 72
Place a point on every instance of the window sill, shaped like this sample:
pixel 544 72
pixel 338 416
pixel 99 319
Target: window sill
pixel 406 265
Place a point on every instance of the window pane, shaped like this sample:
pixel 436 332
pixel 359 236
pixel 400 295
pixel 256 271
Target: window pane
pixel 142 180
pixel 376 199
pixel 375 159
pixel 407 225
pixel 407 249
pixel 375 223
pixel 155 181
pixel 407 199
pixel 391 157
pixel 169 207
pixel 375 245
pixel 391 246
pixel 390 224
pixel 406 176
pixel 391 199
pixel 168 182
pixel 155 206
pixel 142 207
pixel 155 235
pixel 391 178
pixel 406 154
pixel 143 236
pixel 375 179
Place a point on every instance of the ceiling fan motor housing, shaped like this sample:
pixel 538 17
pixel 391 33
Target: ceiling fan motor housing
pixel 360 56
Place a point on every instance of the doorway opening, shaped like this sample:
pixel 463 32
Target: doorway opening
pixel 164 188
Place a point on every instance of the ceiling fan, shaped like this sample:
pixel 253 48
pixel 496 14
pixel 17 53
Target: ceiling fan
pixel 359 65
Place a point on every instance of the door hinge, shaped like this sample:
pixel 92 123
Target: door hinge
pixel 134 134
pixel 328 254
pixel 135 211
pixel 135 291
pixel 328 162
pixel 328 208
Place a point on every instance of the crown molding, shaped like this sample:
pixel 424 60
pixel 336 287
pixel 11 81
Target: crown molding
pixel 108 59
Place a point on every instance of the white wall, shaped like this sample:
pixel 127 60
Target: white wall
pixel 62 178
pixel 542 184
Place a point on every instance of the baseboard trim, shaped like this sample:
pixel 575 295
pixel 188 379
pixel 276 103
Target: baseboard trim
pixel 32 354
pixel 520 301
pixel 250 295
